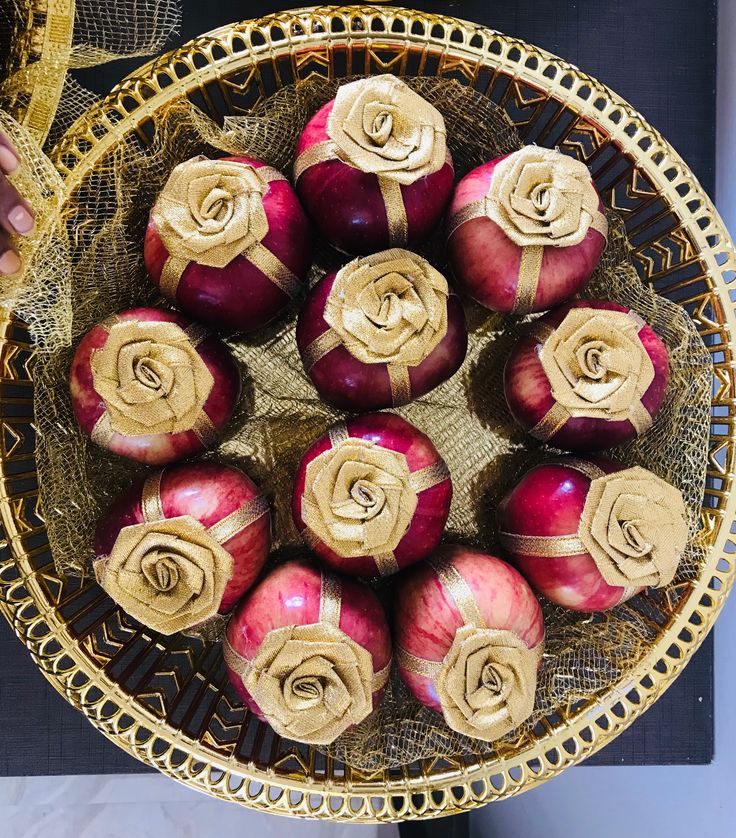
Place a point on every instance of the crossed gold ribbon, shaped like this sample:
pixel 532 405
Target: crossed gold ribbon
pixel 174 202
pixel 113 421
pixel 542 176
pixel 611 528
pixel 379 125
pixel 312 681
pixel 389 308
pixel 624 326
pixel 171 573
pixel 391 502
pixel 486 682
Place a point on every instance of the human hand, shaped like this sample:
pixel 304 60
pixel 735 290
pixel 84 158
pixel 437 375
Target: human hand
pixel 16 216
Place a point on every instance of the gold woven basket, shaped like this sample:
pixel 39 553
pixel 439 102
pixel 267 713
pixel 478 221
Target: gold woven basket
pixel 165 705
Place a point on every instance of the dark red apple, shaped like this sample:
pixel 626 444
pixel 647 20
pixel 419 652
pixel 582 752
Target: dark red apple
pixel 393 305
pixel 468 639
pixel 486 260
pixel 391 163
pixel 587 376
pixel 230 245
pixel 309 652
pixel 372 495
pixel 590 534
pixel 183 541
pixel 151 385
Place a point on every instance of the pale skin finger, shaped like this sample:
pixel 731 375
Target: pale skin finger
pixel 16 215
pixel 9 259
pixel 9 159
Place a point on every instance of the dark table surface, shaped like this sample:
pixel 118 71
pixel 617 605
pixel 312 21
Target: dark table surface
pixel 660 55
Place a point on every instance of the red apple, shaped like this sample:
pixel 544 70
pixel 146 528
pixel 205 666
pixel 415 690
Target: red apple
pixel 169 531
pixel 588 541
pixel 463 598
pixel 348 193
pixel 151 385
pixel 593 382
pixel 237 256
pixel 304 663
pixel 486 260
pixel 372 495
pixel 391 305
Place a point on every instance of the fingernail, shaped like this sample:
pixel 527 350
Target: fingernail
pixel 8 161
pixel 21 220
pixel 9 263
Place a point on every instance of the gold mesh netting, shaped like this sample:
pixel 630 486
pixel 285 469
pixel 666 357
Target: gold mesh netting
pixel 38 53
pixel 281 414
pixel 40 292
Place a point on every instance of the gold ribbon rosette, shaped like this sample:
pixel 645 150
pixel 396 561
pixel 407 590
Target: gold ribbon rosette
pixel 634 525
pixel 359 498
pixel 539 198
pixel 171 573
pixel 597 367
pixel 311 682
pixel 152 380
pixel 380 125
pixel 487 680
pixel 389 308
pixel 211 211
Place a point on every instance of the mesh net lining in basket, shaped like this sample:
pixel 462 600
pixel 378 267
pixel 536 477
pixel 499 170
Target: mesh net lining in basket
pixel 281 414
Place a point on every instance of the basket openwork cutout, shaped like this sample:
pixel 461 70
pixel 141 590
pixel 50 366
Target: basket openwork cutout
pixel 160 699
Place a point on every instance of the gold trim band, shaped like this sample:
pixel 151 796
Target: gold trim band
pixel 151 504
pixel 419 666
pixel 429 476
pixel 398 224
pixel 460 592
pixel 542 545
pixel 319 347
pixel 240 519
pixel 330 599
pixel 398 375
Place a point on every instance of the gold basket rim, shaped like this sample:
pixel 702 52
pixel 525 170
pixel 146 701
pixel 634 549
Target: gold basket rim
pixel 591 727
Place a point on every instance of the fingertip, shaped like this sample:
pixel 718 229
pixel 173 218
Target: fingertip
pixel 9 263
pixel 9 161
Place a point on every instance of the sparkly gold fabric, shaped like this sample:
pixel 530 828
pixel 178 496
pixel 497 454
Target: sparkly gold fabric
pixel 380 125
pixel 151 378
pixel 597 366
pixel 487 681
pixel 539 196
pixel 634 525
pixel 211 211
pixel 389 308
pixel 358 498
pixel 169 574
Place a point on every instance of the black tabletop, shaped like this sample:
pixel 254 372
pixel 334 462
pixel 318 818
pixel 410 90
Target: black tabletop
pixel 660 55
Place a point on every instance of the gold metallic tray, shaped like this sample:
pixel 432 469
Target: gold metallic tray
pixel 159 698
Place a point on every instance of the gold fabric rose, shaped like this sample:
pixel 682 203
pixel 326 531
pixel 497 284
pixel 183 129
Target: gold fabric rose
pixel 311 682
pixel 151 378
pixel 380 125
pixel 598 367
pixel 539 196
pixel 634 525
pixel 358 498
pixel 170 575
pixel 487 682
pixel 211 211
pixel 389 308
